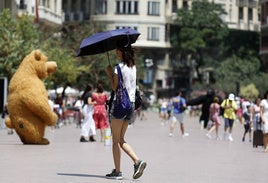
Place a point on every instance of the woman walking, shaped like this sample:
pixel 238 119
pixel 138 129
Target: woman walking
pixel 125 54
pixel 88 125
pixel 264 117
pixel 100 113
pixel 214 115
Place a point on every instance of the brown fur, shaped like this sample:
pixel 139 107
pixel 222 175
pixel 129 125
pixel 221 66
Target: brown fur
pixel 29 111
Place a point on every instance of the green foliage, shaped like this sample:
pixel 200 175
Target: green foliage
pixel 200 27
pixel 260 82
pixel 242 43
pixel 18 37
pixel 235 69
pixel 67 72
pixel 250 92
pixel 234 55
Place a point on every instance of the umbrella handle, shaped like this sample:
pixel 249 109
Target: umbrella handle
pixel 127 41
pixel 108 58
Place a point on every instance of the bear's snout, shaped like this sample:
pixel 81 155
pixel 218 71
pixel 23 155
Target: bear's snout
pixel 51 66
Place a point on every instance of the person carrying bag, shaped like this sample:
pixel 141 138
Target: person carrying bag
pixel 122 103
pixel 121 112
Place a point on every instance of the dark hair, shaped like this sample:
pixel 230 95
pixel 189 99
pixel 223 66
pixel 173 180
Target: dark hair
pixel 210 92
pixel 216 100
pixel 265 94
pixel 179 92
pixel 99 88
pixel 87 89
pixel 127 52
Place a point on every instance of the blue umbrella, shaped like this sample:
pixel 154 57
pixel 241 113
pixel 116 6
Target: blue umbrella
pixel 106 41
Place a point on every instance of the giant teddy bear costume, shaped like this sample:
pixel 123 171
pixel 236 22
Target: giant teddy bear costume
pixel 28 107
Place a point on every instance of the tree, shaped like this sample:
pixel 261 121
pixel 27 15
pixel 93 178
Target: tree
pixel 235 69
pixel 18 37
pixel 250 92
pixel 199 32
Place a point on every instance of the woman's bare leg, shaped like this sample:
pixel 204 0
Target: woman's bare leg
pixel 116 128
pixel 125 146
pixel 119 128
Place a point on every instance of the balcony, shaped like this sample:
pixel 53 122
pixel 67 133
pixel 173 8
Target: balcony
pixel 48 14
pixel 247 3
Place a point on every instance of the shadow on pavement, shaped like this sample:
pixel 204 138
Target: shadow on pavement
pixel 81 175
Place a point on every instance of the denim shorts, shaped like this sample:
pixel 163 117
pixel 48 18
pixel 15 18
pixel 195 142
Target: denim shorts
pixel 228 122
pixel 128 117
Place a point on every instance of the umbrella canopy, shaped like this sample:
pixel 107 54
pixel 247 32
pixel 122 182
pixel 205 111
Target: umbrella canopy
pixel 106 41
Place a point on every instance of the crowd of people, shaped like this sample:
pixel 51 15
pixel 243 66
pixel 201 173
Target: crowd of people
pixel 252 114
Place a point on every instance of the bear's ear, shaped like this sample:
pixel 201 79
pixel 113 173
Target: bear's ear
pixel 37 55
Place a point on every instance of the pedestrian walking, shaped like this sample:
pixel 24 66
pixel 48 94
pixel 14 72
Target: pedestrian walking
pixel 125 54
pixel 264 117
pixel 230 107
pixel 88 126
pixel 100 114
pixel 255 117
pixel 179 105
pixel 256 120
pixel 205 101
pixel 214 115
pixel 247 123
pixel 163 111
pixel 78 111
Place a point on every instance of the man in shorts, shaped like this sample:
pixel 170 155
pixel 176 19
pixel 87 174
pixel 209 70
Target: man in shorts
pixel 230 107
pixel 179 105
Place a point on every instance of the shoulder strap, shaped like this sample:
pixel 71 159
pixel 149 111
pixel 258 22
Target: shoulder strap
pixel 120 77
pixel 119 73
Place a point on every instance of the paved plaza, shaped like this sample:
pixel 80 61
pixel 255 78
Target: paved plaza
pixel 194 159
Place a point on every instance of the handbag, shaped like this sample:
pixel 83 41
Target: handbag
pixel 122 104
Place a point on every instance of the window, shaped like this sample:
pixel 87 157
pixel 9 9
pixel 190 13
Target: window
pixel 240 13
pixel 250 14
pixel 126 7
pixel 185 5
pixel 174 6
pixel 22 5
pixel 101 7
pixel 45 3
pixel 159 83
pixel 153 33
pixel 125 27
pixel 154 8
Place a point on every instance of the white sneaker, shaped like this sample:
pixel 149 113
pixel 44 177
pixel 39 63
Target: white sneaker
pixel 185 135
pixel 208 135
pixel 230 138
pixel 170 134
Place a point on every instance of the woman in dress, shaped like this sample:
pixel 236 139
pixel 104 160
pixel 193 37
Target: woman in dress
pixel 214 114
pixel 125 54
pixel 264 117
pixel 100 113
